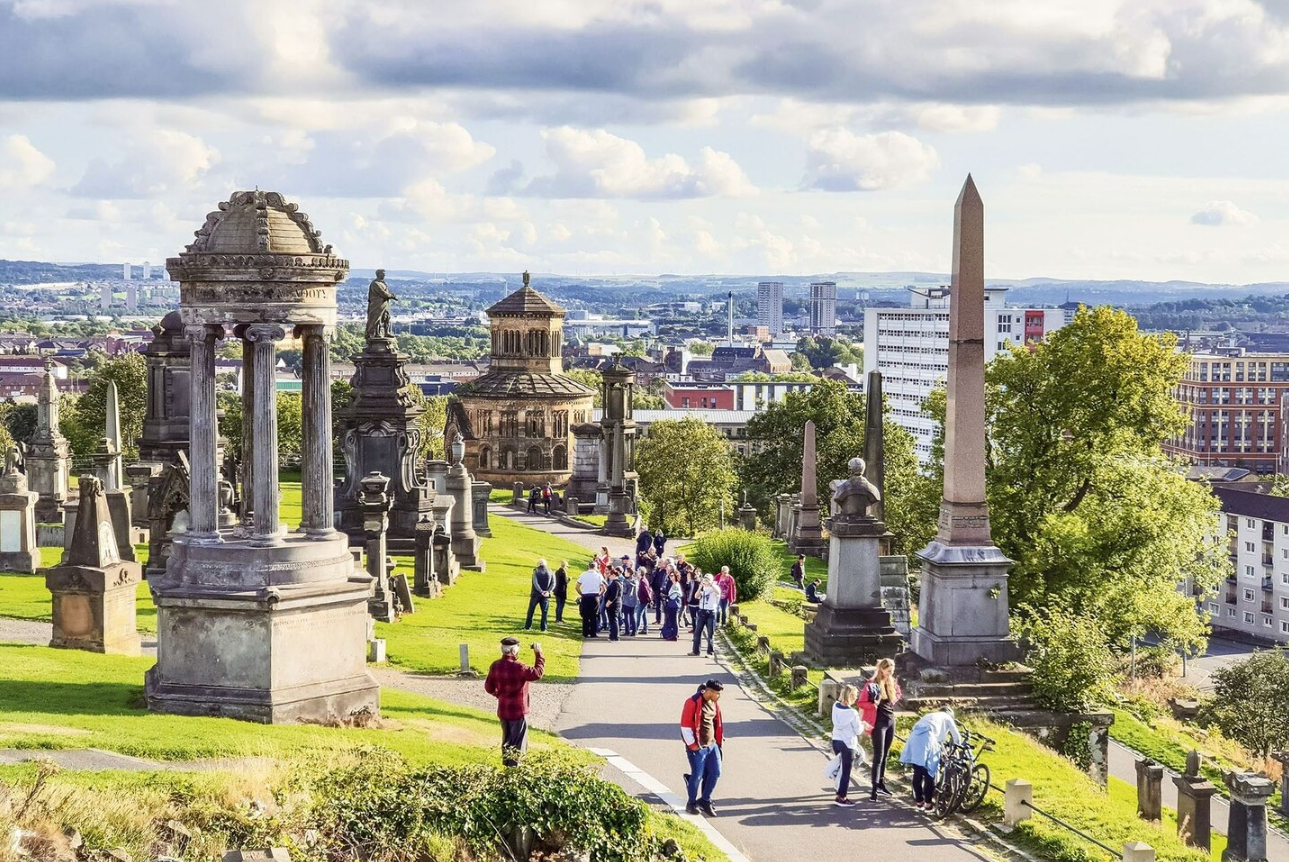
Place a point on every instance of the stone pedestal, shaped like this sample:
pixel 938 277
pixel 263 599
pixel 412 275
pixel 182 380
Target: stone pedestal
pixel 895 592
pixel 446 567
pixel 18 549
pixel 1150 799
pixel 1194 810
pixel 481 493
pixel 93 590
pixel 1246 833
pixel 851 628
pixel 138 476
pixel 962 610
pixel 375 507
pixel 49 457
pixel 588 443
pixel 747 516
pixel 167 513
pixel 782 516
pixel 465 543
pixel 379 433
pixel 518 498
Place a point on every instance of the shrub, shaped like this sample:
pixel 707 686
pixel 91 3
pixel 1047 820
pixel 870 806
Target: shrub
pixel 1071 659
pixel 1249 698
pixel 750 556
pixel 1155 662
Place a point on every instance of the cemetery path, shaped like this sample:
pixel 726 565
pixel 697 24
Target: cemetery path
pixel 1122 766
pixel 589 539
pixel 772 801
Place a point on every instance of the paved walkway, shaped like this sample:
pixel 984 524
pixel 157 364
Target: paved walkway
pixel 590 539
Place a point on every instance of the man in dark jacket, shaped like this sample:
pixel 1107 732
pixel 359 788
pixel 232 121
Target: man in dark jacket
pixel 644 541
pixel 561 591
pixel 799 572
pixel 540 594
pixel 703 732
pixel 507 681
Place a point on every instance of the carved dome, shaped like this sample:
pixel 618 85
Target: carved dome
pixel 257 222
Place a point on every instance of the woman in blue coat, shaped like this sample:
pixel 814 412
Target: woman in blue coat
pixel 923 749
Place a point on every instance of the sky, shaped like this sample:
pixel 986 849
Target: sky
pixel 1110 139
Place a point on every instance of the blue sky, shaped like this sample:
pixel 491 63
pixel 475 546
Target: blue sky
pixel 1137 139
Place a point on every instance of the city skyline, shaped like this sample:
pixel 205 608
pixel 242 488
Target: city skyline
pixel 1110 140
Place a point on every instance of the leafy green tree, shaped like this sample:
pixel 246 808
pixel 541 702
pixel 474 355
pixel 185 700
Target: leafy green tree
pixel 290 427
pixel 1071 659
pixel 686 474
pixel 786 377
pixel 229 405
pixel 431 423
pixel 20 421
pixel 130 372
pixel 750 556
pixel 641 400
pixel 824 352
pixel 702 348
pixel 591 378
pixel 1249 699
pixel 838 414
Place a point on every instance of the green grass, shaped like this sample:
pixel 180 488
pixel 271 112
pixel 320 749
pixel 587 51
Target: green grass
pixel 815 567
pixel 596 520
pixel 505 496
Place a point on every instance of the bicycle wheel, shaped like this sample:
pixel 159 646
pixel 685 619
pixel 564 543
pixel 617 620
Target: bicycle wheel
pixel 947 790
pixel 977 787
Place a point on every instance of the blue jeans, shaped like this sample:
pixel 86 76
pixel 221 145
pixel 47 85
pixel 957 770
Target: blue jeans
pixel 704 621
pixel 642 619
pixel 704 771
pixel 629 618
pixel 722 614
pixel 670 630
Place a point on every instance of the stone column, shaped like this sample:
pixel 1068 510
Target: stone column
pixel 203 434
pixel 265 525
pixel 1150 777
pixel 1246 832
pixel 1194 805
pixel 248 429
pixel 316 483
pixel 375 503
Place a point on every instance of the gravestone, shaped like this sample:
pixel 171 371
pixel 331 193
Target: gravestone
pixel 465 542
pixel 424 582
pixel 18 549
pixel 93 589
pixel 49 457
pixel 108 467
pixel 1194 804
pixel 167 513
pixel 588 445
pixel 1246 831
pixel 375 508
pixel 1150 799
pixel 747 515
pixel 481 493
pixel 782 516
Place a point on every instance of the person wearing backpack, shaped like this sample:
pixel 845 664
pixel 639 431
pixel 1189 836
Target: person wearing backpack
pixel 644 598
pixel 546 498
pixel 540 593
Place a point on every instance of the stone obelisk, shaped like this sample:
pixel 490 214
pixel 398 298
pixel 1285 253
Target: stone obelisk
pixel 963 607
pixel 808 538
pixel 875 442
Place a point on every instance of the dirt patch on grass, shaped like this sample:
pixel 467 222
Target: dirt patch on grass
pixel 12 728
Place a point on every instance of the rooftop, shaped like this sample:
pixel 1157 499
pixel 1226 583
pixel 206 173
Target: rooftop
pixel 525 302
pixel 256 222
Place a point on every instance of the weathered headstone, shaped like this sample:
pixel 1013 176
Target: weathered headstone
pixel 480 493
pixel 1150 800
pixel 167 513
pixel 93 589
pixel 747 515
pixel 1246 831
pixel 424 582
pixel 808 537
pixel 108 466
pixel 1194 804
pixel 446 567
pixel 782 516
pixel 465 542
pixel 18 550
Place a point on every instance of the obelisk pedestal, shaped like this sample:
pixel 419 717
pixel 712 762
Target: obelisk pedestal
pixel 808 536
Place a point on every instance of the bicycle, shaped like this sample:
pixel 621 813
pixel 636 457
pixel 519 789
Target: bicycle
pixel 963 781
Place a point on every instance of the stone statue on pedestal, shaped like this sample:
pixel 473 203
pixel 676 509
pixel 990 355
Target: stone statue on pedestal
pixel 856 495
pixel 378 299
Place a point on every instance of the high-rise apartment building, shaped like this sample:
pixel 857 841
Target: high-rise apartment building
pixel 823 308
pixel 910 346
pixel 1233 403
pixel 147 270
pixel 127 272
pixel 769 306
pixel 105 295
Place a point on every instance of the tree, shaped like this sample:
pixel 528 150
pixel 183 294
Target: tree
pixel 641 400
pixel 432 422
pixel 1072 664
pixel 702 348
pixel 20 421
pixel 229 405
pixel 130 373
pixel 824 352
pixel 290 427
pixel 589 377
pixel 1249 700
pixel 686 474
pixel 1098 522
pixel 838 414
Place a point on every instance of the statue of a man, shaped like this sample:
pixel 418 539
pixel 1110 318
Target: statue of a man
pixel 856 494
pixel 378 299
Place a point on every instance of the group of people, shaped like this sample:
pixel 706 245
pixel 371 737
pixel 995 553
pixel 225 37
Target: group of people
pixel 542 495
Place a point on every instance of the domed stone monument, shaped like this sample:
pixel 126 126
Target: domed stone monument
pixel 253 621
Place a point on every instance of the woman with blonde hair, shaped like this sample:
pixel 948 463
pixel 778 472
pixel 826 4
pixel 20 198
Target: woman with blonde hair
pixel 846 726
pixel 877 703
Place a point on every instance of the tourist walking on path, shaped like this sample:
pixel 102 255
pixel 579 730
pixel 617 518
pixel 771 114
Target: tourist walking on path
pixel 507 681
pixel 846 727
pixel 533 496
pixel 671 607
pixel 540 594
pixel 644 598
pixel 729 594
pixel 703 733
pixel 589 586
pixel 644 541
pixel 561 590
pixel 877 707
pixel 708 598
pixel 923 749
pixel 799 572
pixel 547 494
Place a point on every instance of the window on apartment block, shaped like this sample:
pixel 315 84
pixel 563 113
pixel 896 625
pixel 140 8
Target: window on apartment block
pixel 1248 596
pixel 1248 618
pixel 1248 546
pixel 1230 612
pixel 1284 628
pixel 1266 621
pixel 1248 570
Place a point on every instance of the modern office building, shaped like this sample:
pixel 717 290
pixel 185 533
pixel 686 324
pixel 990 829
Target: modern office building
pixel 1254 599
pixel 1233 403
pixel 769 306
pixel 127 272
pixel 823 308
pixel 910 346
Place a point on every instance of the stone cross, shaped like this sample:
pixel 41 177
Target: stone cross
pixel 964 517
pixel 875 442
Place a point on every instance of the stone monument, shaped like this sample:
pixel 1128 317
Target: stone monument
pixel 589 471
pixel 94 590
pixel 465 542
pixel 165 416
pixel 747 514
pixel 255 622
pixel 481 494
pixel 1246 830
pixel 167 514
pixel 18 549
pixel 963 617
pixel 851 627
pixel 807 535
pixel 108 467
pixel 49 458
pixel 376 503
pixel 380 432
pixel 619 440
pixel 1194 804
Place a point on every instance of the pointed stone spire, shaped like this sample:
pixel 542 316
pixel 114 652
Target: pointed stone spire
pixel 875 442
pixel 47 404
pixel 964 517
pixel 112 416
pixel 94 538
pixel 809 459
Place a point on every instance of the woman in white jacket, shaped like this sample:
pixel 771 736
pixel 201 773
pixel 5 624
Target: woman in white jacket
pixel 846 728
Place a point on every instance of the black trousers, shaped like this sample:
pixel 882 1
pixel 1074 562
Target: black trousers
pixel 514 740
pixel 847 760
pixel 560 601
pixel 589 607
pixel 883 736
pixel 923 785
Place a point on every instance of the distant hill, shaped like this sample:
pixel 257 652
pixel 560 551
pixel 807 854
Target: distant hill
pixel 37 272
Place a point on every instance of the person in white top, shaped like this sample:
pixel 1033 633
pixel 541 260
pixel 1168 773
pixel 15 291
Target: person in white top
pixel 846 728
pixel 709 601
pixel 589 586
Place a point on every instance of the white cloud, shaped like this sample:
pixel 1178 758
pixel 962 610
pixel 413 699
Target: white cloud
pixel 156 162
pixel 1218 213
pixel 839 160
pixel 597 164
pixel 21 164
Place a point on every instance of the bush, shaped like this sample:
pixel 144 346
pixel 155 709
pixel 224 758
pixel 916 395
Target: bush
pixel 1071 659
pixel 750 556
pixel 1155 662
pixel 1249 698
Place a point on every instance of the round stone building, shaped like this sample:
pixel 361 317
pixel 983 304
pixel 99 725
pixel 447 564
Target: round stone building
pixel 517 420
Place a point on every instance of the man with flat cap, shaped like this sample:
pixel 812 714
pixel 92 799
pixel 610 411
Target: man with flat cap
pixel 703 733
pixel 507 681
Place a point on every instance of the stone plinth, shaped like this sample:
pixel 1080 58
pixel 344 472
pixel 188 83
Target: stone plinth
pixel 1246 832
pixel 588 441
pixel 18 549
pixel 446 567
pixel 480 494
pixel 852 628
pixel 165 417
pixel 747 516
pixel 895 592
pixel 1150 798
pixel 138 476
pixel 465 542
pixel 167 513
pixel 1194 810
pixel 375 507
pixel 379 433
pixel 93 590
pixel 962 610
pixel 424 581
pixel 782 516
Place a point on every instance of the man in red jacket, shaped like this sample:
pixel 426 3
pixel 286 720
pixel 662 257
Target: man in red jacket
pixel 703 733
pixel 507 681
